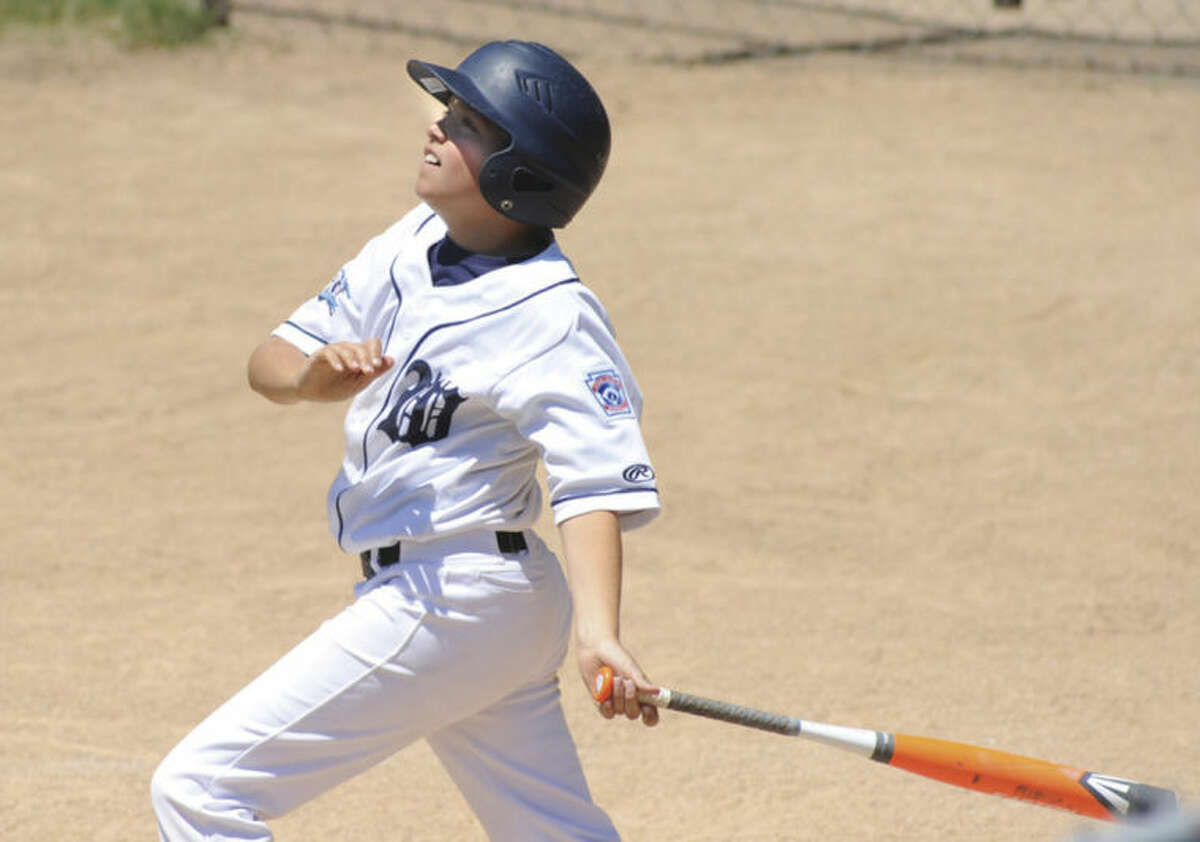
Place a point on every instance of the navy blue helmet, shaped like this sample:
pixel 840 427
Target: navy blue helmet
pixel 557 127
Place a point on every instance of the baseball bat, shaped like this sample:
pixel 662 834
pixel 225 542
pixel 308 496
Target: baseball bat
pixel 971 767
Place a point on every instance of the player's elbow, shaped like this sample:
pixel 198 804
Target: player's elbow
pixel 271 370
pixel 254 372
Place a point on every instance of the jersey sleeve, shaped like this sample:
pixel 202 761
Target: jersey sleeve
pixel 336 313
pixel 324 319
pixel 579 403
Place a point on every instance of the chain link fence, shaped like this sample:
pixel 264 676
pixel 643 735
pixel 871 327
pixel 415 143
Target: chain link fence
pixel 1139 36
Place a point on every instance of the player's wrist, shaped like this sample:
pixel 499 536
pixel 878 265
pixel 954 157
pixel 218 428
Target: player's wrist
pixel 596 634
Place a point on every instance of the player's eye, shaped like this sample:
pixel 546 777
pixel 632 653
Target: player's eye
pixel 467 121
pixel 458 119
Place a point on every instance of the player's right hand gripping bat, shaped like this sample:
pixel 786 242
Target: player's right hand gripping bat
pixel 972 767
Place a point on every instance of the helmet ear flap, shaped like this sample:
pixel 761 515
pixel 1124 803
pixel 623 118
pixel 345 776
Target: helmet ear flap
pixel 495 179
pixel 525 192
pixel 525 180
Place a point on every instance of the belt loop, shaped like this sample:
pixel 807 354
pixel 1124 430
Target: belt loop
pixel 511 542
pixel 375 560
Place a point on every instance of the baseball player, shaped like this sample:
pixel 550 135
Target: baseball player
pixel 471 350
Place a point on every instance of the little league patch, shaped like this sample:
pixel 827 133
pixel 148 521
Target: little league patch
pixel 609 392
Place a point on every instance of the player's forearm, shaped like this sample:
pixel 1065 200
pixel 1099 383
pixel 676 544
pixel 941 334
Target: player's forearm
pixel 273 369
pixel 592 548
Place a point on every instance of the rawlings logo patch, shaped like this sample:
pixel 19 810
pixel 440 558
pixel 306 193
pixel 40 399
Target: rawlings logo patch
pixel 640 472
pixel 609 392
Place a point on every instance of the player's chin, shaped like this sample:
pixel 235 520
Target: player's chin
pixel 430 189
pixel 428 181
pixel 422 187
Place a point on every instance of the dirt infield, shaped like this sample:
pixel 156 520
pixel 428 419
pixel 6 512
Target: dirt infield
pixel 921 350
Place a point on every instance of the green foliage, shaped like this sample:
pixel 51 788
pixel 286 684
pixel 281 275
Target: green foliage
pixel 137 23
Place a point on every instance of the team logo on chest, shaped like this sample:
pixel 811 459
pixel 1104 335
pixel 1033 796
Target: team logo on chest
pixel 424 408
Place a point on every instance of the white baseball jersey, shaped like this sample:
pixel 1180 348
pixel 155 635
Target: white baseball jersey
pixel 492 372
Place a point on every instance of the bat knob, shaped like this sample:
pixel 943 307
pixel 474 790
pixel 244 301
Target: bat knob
pixel 602 684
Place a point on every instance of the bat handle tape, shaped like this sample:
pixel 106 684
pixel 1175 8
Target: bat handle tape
pixel 776 723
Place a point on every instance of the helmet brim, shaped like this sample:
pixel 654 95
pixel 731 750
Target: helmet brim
pixel 442 83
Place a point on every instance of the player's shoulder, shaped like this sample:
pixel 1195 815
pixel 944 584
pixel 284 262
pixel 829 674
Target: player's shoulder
pixel 555 300
pixel 557 318
pixel 578 305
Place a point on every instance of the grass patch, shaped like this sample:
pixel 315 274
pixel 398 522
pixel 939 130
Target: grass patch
pixel 136 23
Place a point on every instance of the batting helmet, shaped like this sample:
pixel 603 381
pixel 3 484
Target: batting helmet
pixel 557 127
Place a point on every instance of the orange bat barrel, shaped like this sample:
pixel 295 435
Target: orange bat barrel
pixel 1026 778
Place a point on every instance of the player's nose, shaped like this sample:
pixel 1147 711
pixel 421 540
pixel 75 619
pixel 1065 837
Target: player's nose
pixel 437 130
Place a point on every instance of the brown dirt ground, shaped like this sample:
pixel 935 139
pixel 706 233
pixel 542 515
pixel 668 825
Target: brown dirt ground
pixel 921 350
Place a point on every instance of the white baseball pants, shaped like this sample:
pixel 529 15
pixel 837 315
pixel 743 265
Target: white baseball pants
pixel 457 647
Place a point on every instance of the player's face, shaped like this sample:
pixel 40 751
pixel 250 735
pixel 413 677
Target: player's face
pixel 455 149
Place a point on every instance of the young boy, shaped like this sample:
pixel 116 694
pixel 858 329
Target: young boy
pixel 471 350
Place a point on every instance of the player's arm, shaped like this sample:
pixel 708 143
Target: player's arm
pixel 592 548
pixel 281 372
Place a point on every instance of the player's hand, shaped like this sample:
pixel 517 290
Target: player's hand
pixel 628 679
pixel 341 370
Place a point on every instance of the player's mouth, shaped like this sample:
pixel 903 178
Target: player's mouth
pixel 430 158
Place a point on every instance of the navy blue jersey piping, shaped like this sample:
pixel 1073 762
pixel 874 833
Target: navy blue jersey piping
pixel 337 503
pixel 307 333
pixel 402 366
pixel 399 300
pixel 424 222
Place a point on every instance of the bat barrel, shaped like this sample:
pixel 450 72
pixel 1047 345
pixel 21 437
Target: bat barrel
pixel 1028 779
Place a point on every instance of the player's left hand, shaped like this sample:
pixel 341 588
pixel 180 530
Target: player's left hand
pixel 341 370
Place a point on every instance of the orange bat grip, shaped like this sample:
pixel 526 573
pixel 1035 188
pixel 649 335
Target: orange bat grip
pixel 998 773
